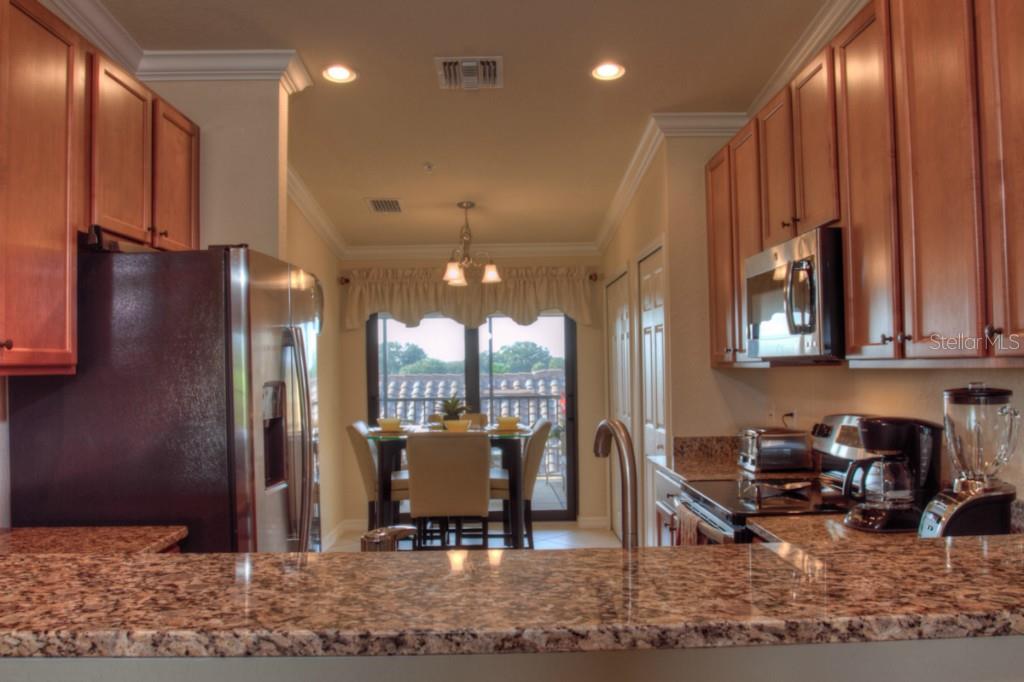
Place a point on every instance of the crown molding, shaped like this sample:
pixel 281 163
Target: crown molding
pixel 829 20
pixel 700 124
pixel 218 65
pixel 94 21
pixel 498 250
pixel 315 214
pixel 660 126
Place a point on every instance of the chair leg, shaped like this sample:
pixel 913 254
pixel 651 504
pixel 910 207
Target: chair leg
pixel 444 532
pixel 458 532
pixel 506 523
pixel 371 515
pixel 487 539
pixel 528 514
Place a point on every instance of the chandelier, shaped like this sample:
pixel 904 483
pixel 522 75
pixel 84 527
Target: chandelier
pixel 461 260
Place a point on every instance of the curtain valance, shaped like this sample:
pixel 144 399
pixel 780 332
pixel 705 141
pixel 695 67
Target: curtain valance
pixel 410 294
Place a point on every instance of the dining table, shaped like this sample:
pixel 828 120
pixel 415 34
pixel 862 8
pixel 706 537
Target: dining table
pixel 390 445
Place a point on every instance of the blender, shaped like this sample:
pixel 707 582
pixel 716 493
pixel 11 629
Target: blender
pixel 982 431
pixel 899 474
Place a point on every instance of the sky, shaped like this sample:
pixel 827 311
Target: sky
pixel 442 338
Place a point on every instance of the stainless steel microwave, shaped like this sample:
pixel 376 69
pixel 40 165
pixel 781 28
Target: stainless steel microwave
pixel 794 298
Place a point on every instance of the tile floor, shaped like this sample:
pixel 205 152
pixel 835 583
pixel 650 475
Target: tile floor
pixel 547 535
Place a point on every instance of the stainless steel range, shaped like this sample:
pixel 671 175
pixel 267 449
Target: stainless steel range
pixel 807 483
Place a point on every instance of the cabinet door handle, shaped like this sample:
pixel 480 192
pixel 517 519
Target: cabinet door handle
pixel 163 233
pixel 7 344
pixel 991 332
pixel 901 337
pixel 787 224
pixel 886 339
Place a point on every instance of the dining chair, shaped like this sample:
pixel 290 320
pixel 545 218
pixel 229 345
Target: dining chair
pixel 534 452
pixel 449 476
pixel 476 419
pixel 366 458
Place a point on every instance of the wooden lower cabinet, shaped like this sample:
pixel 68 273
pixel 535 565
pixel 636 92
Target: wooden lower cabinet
pixel 175 179
pixel 867 176
pixel 939 178
pixel 37 255
pixel 814 144
pixel 999 26
pixel 720 258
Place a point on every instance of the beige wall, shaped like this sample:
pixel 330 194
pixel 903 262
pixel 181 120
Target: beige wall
pixel 593 506
pixel 307 250
pixel 243 157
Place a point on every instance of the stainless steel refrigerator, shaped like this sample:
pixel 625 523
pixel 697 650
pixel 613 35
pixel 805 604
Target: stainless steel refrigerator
pixel 194 402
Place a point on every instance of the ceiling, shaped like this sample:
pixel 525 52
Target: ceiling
pixel 541 157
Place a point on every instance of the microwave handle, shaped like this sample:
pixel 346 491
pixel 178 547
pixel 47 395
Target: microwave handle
pixel 787 299
pixel 788 305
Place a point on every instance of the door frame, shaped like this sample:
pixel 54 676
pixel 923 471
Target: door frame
pixel 473 401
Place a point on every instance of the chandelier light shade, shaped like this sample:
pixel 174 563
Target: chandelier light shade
pixel 453 271
pixel 491 275
pixel 461 260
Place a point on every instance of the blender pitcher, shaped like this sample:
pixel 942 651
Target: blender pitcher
pixel 982 432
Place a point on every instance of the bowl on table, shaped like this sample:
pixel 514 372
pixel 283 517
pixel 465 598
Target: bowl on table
pixel 389 424
pixel 508 423
pixel 457 425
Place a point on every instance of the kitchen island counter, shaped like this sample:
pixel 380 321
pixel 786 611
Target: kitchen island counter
pixel 90 539
pixel 483 602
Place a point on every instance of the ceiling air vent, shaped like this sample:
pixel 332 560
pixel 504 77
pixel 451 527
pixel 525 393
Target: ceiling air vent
pixel 469 73
pixel 384 205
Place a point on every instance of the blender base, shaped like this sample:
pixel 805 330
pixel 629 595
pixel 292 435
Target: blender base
pixel 987 511
pixel 881 520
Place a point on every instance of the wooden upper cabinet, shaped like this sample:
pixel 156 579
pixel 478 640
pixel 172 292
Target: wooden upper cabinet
pixel 37 256
pixel 745 179
pixel 775 128
pixel 720 257
pixel 1000 27
pixel 175 179
pixel 939 188
pixel 121 151
pixel 867 176
pixel 814 144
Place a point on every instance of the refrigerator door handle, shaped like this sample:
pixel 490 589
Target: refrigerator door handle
pixel 305 409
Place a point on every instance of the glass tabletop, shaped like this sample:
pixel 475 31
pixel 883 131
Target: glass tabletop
pixel 492 432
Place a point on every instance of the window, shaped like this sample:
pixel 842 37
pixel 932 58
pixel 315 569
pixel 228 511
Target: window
pixel 502 368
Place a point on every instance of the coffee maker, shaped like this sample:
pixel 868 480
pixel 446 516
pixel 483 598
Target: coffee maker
pixel 982 431
pixel 900 474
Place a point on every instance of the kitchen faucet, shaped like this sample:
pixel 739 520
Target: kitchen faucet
pixel 606 431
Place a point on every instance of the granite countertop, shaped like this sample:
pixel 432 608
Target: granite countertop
pixel 90 539
pixel 820 532
pixel 506 601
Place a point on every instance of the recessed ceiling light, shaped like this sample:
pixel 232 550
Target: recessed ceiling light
pixel 338 73
pixel 608 71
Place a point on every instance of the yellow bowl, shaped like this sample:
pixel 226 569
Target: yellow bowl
pixel 457 424
pixel 390 424
pixel 508 423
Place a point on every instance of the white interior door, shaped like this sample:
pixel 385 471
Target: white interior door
pixel 652 352
pixel 617 317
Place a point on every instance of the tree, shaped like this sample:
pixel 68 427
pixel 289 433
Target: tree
pixel 521 356
pixel 556 363
pixel 400 355
pixel 425 366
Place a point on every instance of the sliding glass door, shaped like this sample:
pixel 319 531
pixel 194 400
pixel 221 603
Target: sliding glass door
pixel 501 369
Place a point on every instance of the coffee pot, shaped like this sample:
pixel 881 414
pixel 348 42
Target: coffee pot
pixel 982 431
pixel 898 477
